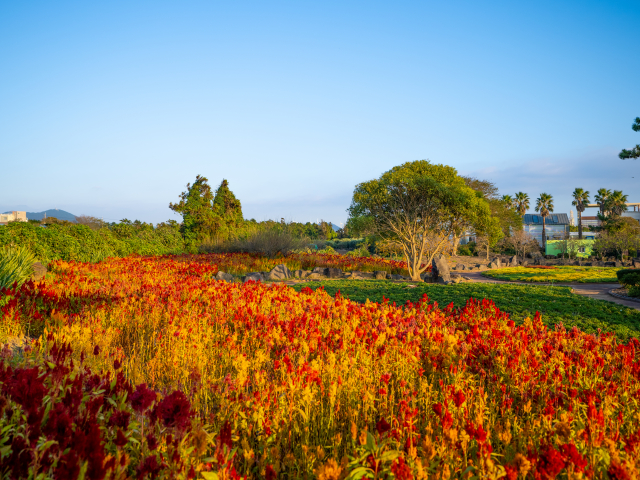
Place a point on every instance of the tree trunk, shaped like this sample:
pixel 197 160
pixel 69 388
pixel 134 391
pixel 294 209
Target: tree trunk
pixel 456 243
pixel 544 236
pixel 579 224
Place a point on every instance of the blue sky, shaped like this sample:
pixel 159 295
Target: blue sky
pixel 110 108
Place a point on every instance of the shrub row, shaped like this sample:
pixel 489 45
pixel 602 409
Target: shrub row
pixel 80 243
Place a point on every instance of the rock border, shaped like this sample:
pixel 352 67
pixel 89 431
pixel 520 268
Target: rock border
pixel 622 297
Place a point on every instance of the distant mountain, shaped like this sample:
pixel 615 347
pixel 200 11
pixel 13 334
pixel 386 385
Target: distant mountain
pixel 335 227
pixel 52 212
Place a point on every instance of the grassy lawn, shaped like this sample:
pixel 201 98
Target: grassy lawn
pixel 560 274
pixel 556 304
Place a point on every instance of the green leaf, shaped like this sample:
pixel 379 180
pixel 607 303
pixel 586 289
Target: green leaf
pixel 209 475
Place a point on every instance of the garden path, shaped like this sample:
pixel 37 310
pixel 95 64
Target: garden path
pixel 593 290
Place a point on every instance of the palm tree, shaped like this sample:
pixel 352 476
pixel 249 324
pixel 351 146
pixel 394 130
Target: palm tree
pixel 616 203
pixel 580 200
pixel 508 200
pixel 544 205
pixel 521 203
pixel 601 199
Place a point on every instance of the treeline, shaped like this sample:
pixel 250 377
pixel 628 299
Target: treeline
pixel 83 243
pixel 210 221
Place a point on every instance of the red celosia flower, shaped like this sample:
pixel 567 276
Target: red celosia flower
pixel 458 398
pixel 270 473
pixel 550 463
pixel 382 426
pixel 152 443
pixel 225 435
pixel 571 455
pixel 120 439
pixel 142 398
pixel 120 419
pixel 96 350
pixel 618 472
pixel 174 411
pixel 401 470
pixel 148 467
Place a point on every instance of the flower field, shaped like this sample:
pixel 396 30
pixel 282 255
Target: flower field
pixel 148 368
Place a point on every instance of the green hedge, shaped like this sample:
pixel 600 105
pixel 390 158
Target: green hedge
pixel 80 243
pixel 629 277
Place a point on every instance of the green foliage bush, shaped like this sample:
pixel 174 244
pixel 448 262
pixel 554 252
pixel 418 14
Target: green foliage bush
pixel 629 277
pixel 467 250
pixel 16 265
pixel 81 243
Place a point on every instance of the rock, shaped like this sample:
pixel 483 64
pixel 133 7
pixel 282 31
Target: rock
pixel 513 261
pixel 39 271
pixel 467 278
pixel 588 264
pixel 380 275
pixel 497 261
pixel 298 273
pixel 279 272
pixel 253 277
pixel 397 277
pixel 481 267
pixel 440 269
pixel 333 272
pixel 493 265
pixel 525 262
pixel 609 264
pixel 319 270
pixel 315 276
pixel 617 264
pixel 224 277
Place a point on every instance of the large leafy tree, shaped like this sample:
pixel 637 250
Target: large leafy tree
pixel 634 152
pixel 580 201
pixel 199 219
pixel 544 206
pixel 418 205
pixel 521 203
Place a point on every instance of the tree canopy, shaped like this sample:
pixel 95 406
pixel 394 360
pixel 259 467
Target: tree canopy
pixel 205 216
pixel 418 205
pixel 634 152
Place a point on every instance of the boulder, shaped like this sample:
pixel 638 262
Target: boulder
pixel 493 265
pixel 440 269
pixel 380 275
pixel 525 262
pixel 481 266
pixel 315 276
pixel 497 261
pixel 319 271
pixel 39 271
pixel 298 273
pixel 224 277
pixel 609 264
pixel 397 277
pixel 253 277
pixel 513 261
pixel 617 264
pixel 279 272
pixel 333 272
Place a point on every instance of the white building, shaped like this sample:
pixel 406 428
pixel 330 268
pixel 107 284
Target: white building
pixel 13 217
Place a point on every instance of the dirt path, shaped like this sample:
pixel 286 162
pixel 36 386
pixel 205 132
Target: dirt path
pixel 593 290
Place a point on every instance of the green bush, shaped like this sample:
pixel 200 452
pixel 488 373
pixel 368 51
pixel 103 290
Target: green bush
pixel 16 265
pixel 81 243
pixel 466 250
pixel 629 277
